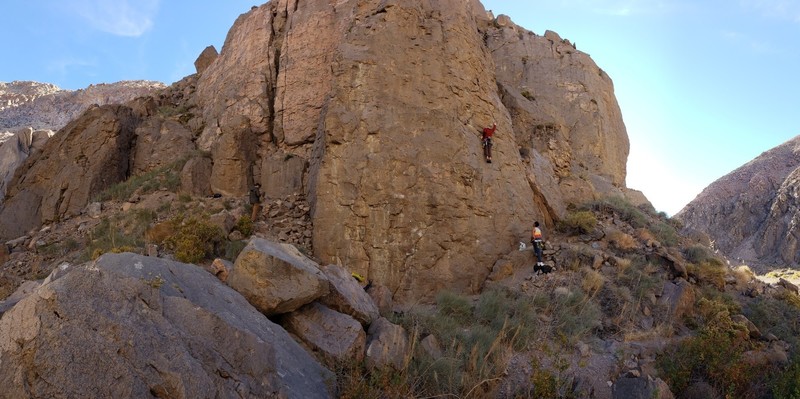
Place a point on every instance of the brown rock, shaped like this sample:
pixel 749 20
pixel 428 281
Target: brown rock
pixel 224 220
pixel 87 156
pixel 387 345
pixel 753 331
pixel 565 113
pixel 335 336
pixel 347 296
pixel 431 346
pixel 382 297
pixel 276 278
pixel 678 299
pixel 159 143
pixel 206 58
pixel 195 177
pixel 233 156
pixel 221 268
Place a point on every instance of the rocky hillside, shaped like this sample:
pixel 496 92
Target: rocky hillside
pixel 44 106
pixel 384 146
pixel 752 213
pixel 385 259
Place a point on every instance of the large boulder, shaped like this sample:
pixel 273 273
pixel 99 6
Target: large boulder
pixel 133 326
pixel 640 388
pixel 347 296
pixel 387 346
pixel 678 299
pixel 276 278
pixel 206 58
pixel 336 337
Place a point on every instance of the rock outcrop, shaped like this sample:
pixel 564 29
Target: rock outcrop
pixel 15 148
pixel 385 145
pixel 156 329
pixel 752 213
pixel 89 155
pixel 44 106
pixel 565 118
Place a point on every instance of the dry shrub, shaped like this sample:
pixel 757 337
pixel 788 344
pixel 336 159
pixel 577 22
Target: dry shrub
pixel 644 235
pixel 708 272
pixel 622 241
pixel 622 264
pixel 592 281
pixel 160 232
pixel 743 275
pixel 581 222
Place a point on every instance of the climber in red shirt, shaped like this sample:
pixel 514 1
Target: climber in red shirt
pixel 487 142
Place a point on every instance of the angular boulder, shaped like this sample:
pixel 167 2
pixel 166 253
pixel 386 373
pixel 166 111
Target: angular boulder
pixel 382 297
pixel 208 56
pixel 276 278
pixel 641 388
pixel 127 325
pixel 335 336
pixel 347 296
pixel 678 298
pixel 387 345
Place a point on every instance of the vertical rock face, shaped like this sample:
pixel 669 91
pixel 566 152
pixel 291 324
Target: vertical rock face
pixel 385 144
pixel 564 114
pixel 752 213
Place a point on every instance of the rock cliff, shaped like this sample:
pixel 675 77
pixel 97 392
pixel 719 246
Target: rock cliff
pixel 305 99
pixel 752 213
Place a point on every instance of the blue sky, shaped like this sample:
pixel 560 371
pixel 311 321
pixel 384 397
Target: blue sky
pixel 704 85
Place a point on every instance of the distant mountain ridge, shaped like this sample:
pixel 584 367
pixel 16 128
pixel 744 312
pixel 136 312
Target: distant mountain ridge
pixel 753 213
pixel 45 106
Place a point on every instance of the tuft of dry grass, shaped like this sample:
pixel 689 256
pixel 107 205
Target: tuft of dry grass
pixel 592 281
pixel 622 240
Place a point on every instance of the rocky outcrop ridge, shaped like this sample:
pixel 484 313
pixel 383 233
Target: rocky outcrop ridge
pixel 385 145
pixel 752 213
pixel 43 106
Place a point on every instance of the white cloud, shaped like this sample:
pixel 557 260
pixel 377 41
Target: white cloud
pixel 118 17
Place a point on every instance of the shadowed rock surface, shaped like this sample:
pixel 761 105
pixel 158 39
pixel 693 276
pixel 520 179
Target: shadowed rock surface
pixel 154 328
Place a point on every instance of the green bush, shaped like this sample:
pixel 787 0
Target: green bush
pixel 167 177
pixel 580 222
pixel 245 225
pixel 714 355
pixel 665 233
pixel 624 209
pixel 194 240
